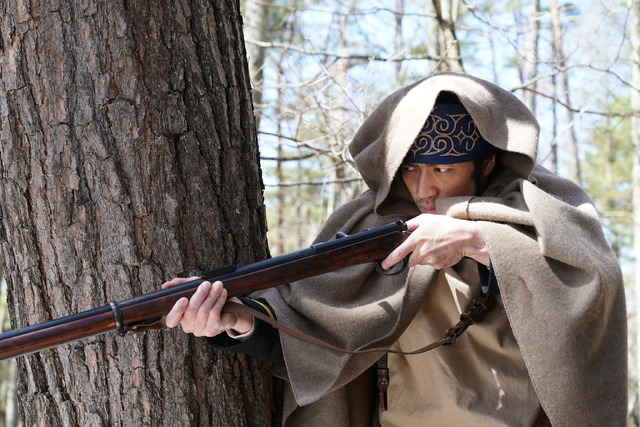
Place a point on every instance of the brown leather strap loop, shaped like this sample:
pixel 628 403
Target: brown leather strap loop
pixel 233 307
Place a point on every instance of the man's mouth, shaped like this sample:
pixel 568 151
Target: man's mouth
pixel 428 209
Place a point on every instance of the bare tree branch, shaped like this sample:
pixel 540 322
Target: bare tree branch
pixel 314 183
pixel 361 57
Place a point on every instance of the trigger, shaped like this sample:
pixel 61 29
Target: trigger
pixel 396 269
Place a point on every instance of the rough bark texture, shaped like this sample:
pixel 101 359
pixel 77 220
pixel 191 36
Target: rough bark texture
pixel 128 157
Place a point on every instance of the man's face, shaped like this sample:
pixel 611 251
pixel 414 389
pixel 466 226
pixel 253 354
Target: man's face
pixel 426 183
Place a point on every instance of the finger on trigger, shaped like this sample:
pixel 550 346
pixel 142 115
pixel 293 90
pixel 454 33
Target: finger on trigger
pixel 394 257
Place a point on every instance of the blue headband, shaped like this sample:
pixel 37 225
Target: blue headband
pixel 449 136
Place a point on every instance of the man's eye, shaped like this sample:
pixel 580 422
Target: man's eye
pixel 408 168
pixel 442 170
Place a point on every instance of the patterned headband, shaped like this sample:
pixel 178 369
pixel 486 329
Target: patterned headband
pixel 449 136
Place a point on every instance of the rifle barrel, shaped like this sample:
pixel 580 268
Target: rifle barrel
pixel 366 246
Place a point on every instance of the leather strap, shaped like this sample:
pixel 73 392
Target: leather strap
pixel 469 317
pixel 479 306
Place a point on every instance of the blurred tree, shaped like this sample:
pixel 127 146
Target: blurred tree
pixel 560 64
pixel 634 35
pixel 442 42
pixel 606 175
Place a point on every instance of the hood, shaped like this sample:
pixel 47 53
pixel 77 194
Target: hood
pixel 384 138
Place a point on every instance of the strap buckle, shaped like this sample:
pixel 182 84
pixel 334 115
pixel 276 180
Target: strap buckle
pixel 468 318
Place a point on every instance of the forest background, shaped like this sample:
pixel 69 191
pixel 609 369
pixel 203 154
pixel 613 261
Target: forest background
pixel 319 67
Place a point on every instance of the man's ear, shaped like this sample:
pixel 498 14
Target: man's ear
pixel 488 165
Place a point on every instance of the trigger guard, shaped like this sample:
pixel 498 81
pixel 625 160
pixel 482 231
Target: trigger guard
pixel 396 269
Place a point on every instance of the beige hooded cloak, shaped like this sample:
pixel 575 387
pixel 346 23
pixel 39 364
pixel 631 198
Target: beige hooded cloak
pixel 562 297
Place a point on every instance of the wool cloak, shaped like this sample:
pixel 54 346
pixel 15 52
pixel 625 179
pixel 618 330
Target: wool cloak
pixel 560 283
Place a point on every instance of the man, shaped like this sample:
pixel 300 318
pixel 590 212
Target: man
pixel 455 157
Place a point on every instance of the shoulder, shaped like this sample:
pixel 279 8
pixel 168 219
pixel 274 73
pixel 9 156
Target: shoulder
pixel 543 181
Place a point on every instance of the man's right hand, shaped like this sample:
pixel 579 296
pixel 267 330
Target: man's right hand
pixel 202 314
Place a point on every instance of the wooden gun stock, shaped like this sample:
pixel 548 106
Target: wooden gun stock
pixel 147 310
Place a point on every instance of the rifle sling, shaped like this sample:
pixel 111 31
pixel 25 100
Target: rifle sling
pixel 478 307
pixel 469 317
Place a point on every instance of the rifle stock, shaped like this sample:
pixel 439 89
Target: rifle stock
pixel 145 311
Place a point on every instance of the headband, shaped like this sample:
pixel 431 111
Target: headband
pixel 449 136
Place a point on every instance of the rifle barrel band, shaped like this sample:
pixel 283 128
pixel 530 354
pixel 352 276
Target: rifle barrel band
pixel 121 327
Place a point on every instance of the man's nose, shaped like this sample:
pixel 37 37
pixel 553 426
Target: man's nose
pixel 426 189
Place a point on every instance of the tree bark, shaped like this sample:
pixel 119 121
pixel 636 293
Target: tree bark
pixel 634 36
pixel 128 157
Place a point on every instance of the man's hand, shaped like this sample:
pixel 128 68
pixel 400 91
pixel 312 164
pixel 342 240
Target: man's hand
pixel 440 241
pixel 202 315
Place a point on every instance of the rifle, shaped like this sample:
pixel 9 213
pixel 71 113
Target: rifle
pixel 147 311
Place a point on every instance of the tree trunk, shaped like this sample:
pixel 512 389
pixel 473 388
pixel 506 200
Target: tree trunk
pixel 336 117
pixel 255 25
pixel 530 67
pixel 399 43
pixel 443 15
pixel 576 174
pixel 634 36
pixel 128 157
